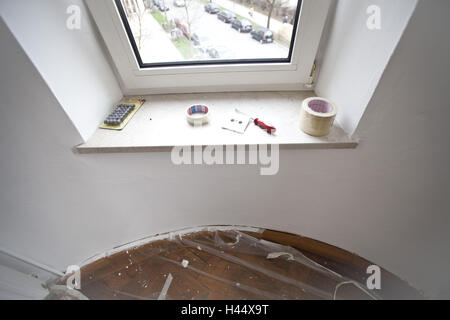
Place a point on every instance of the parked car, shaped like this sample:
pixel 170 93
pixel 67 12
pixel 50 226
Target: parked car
pixel 205 45
pixel 162 7
pixel 184 29
pixel 218 52
pixel 226 16
pixel 178 3
pixel 262 35
pixel 242 25
pixel 213 53
pixel 201 42
pixel 212 8
pixel 210 48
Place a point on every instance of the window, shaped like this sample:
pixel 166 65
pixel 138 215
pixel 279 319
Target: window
pixel 188 32
pixel 163 46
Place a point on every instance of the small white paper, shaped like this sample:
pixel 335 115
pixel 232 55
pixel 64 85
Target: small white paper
pixel 236 122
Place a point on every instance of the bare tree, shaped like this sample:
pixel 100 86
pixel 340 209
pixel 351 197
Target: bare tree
pixel 273 4
pixel 165 12
pixel 137 12
pixel 140 18
pixel 192 15
pixel 187 4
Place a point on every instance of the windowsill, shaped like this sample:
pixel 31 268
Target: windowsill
pixel 168 126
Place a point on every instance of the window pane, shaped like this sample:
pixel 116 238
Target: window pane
pixel 173 32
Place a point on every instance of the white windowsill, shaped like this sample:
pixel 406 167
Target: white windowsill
pixel 168 126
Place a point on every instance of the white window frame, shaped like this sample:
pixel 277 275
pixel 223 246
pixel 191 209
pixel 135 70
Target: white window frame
pixel 293 75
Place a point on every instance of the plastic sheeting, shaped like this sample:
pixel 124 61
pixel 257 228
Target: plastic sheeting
pixel 216 265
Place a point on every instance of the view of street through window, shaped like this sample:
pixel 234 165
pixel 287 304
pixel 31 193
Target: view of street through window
pixel 191 30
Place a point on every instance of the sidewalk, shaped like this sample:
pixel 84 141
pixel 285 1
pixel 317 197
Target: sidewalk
pixel 257 18
pixel 157 45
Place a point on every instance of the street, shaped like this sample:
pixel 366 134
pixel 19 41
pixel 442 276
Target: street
pixel 213 33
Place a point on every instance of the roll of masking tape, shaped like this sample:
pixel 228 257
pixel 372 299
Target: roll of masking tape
pixel 317 116
pixel 198 115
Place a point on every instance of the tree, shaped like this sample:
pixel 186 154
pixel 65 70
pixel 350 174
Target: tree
pixel 272 4
pixel 188 21
pixel 192 14
pixel 165 13
pixel 140 17
pixel 136 9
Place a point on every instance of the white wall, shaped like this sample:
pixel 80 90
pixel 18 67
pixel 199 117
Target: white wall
pixel 15 285
pixel 355 56
pixel 386 200
pixel 70 61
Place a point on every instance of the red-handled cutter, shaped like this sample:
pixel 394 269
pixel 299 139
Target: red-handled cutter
pixel 268 128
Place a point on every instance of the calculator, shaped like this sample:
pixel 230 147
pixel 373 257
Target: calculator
pixel 122 114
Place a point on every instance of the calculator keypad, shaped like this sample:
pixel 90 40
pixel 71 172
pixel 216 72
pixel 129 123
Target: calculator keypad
pixel 119 114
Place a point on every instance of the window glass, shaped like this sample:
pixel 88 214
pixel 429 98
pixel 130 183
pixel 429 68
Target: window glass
pixel 184 32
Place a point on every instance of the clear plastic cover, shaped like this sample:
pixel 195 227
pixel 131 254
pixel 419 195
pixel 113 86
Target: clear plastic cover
pixel 215 265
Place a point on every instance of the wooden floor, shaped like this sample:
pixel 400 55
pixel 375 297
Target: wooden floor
pixel 224 265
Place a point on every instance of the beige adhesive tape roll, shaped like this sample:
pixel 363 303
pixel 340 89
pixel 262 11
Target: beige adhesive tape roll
pixel 198 119
pixel 317 116
pixel 198 115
